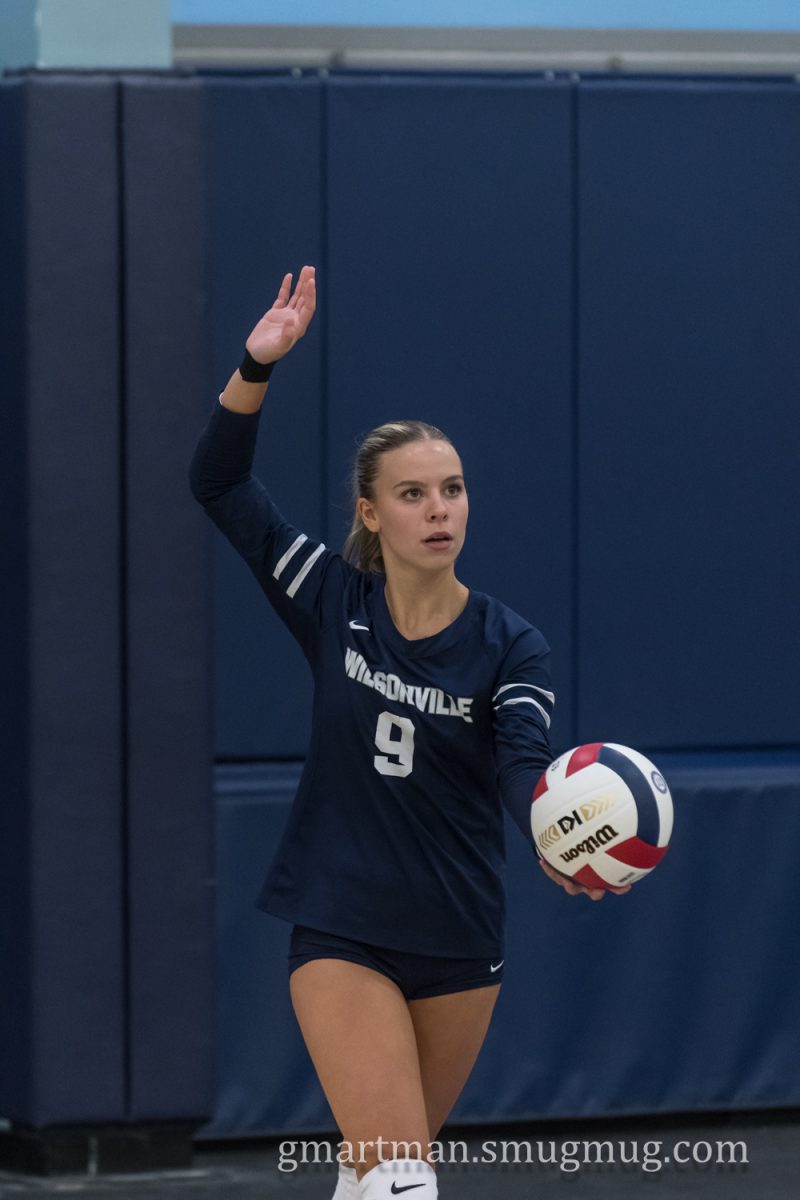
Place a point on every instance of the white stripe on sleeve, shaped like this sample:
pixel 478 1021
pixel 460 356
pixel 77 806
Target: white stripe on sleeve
pixel 281 563
pixel 301 574
pixel 526 700
pixel 549 695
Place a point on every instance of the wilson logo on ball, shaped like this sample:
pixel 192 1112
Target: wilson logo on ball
pixel 592 843
pixel 602 813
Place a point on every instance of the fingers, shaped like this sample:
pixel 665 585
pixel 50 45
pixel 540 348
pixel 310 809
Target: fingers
pixel 306 299
pixel 306 274
pixel 557 876
pixel 284 291
pixel 575 889
pixel 592 893
pixel 308 303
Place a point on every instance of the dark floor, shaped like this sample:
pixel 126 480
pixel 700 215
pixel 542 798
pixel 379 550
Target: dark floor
pixel 250 1171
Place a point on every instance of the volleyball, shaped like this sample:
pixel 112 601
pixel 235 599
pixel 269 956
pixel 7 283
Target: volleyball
pixel 602 814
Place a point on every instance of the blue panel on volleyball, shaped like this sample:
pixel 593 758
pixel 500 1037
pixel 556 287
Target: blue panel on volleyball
pixel 677 997
pixel 169 794
pixel 449 299
pixel 265 218
pixel 689 262
pixel 61 924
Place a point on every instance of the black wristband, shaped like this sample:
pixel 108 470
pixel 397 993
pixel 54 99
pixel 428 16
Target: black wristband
pixel 252 371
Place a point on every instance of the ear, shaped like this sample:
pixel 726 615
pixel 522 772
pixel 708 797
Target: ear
pixel 366 510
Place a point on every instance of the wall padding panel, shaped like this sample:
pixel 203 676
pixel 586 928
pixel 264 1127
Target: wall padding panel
pixel 265 199
pixel 678 997
pixel 689 262
pixel 449 227
pixel 169 810
pixel 265 1079
pixel 62 945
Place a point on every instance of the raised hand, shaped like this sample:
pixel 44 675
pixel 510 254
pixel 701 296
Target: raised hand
pixel 288 319
pixel 574 889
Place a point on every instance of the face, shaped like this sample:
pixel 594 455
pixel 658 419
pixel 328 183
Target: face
pixel 419 506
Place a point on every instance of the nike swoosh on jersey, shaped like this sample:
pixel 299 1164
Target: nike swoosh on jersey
pixel 397 1190
pixel 355 625
pixel 497 968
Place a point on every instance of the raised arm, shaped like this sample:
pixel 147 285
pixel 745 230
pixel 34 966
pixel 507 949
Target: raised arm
pixel 298 575
pixel 273 337
pixel 224 455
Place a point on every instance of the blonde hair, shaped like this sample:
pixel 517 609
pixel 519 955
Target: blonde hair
pixel 362 547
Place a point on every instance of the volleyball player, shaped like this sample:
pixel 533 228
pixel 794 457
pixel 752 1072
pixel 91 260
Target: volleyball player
pixel 432 706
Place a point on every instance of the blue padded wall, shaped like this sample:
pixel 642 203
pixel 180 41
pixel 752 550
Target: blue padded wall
pixel 265 182
pixel 680 996
pixel 62 945
pixel 449 292
pixel 169 807
pixel 689 261
pixel 624 404
pixel 656 1001
pixel 15 919
pixel 264 1076
pixel 617 404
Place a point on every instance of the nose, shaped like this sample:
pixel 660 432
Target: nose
pixel 437 510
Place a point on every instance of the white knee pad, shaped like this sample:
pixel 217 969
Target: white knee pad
pixel 412 1178
pixel 347 1184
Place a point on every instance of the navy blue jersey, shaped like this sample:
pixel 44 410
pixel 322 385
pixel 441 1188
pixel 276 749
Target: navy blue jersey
pixel 395 836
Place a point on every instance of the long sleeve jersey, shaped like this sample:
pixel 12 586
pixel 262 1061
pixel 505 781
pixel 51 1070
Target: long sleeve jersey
pixel 395 836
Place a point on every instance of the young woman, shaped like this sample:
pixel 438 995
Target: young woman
pixel 432 706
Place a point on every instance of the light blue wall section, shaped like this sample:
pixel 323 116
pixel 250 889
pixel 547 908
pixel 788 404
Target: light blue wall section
pixel 18 41
pixel 85 33
pixel 103 33
pixel 590 14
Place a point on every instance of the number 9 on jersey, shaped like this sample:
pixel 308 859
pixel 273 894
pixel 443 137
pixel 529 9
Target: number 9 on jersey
pixel 395 737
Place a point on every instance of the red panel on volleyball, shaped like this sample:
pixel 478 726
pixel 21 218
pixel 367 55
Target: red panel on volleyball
pixel 589 878
pixel 583 757
pixel 636 853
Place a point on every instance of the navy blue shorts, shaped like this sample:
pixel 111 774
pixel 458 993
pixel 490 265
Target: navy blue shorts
pixel 417 975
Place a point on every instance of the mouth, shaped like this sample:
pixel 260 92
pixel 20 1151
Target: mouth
pixel 438 539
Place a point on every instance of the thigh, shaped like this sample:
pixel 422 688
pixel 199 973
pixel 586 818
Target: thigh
pixel 358 1030
pixel 449 1031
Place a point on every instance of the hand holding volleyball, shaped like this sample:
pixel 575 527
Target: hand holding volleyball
pixel 288 319
pixel 602 816
pixel 575 889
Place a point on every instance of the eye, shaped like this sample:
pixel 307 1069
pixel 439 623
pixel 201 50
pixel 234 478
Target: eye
pixel 455 489
pixel 411 493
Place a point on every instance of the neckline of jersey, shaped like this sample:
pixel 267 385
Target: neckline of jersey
pixel 418 647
